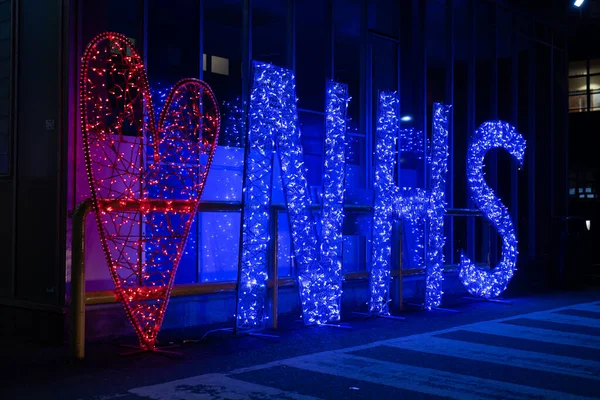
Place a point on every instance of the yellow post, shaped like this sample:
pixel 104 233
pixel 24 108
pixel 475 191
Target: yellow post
pixel 77 325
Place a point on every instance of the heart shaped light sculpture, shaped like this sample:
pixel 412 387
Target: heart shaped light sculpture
pixel 146 177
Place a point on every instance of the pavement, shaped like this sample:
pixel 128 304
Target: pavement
pixel 535 346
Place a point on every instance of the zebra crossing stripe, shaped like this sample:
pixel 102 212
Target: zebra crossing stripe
pixel 502 355
pixel 563 319
pixel 580 313
pixel 539 334
pixel 586 306
pixel 419 379
pixel 579 361
pixel 213 387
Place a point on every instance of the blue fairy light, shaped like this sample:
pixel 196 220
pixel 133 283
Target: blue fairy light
pixel 490 283
pixel 332 209
pixel 412 204
pixel 437 207
pixel 273 122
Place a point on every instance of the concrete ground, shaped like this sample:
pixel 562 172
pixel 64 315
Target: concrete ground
pixel 543 345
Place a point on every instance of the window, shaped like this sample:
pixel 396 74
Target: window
pixel 582 184
pixel 584 86
pixel 219 65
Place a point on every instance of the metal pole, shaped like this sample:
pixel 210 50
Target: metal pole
pixel 291 35
pixel 400 277
pixel 246 59
pixel 450 100
pixel 471 108
pixel 201 39
pixel 531 156
pixel 77 309
pixel 274 254
pixel 492 239
pixel 366 46
pixel 514 170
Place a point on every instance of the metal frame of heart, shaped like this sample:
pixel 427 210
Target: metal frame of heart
pixel 146 179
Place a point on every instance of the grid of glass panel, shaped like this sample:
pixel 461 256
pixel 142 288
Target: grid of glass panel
pixel 584 86
pixel 430 51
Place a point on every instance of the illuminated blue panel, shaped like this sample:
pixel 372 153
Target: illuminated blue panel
pixel 490 283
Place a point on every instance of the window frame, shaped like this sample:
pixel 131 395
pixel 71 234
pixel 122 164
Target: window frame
pixel 588 92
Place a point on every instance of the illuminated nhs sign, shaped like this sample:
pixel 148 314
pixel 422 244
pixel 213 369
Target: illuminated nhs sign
pixel 274 128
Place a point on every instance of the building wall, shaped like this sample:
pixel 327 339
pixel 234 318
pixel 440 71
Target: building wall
pixel 584 164
pixel 6 183
pixel 5 63
pixel 31 193
pixel 488 60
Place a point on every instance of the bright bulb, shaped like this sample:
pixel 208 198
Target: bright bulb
pixel 578 3
pixel 588 224
pixel 406 118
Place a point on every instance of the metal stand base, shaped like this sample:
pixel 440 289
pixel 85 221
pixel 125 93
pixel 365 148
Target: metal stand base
pixel 262 335
pixel 433 309
pixel 253 334
pixel 157 350
pixel 299 321
pixel 499 301
pixel 393 317
pixel 335 326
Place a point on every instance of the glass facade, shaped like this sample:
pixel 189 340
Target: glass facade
pixel 488 61
pixel 584 86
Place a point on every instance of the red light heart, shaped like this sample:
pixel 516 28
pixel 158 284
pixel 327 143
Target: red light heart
pixel 146 179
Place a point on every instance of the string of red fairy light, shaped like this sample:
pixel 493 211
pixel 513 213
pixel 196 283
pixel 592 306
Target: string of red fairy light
pixel 145 178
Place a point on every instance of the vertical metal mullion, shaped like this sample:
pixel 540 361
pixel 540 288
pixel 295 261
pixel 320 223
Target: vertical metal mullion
pixel 566 128
pixel 199 259
pixel 450 100
pixel 246 57
pixel 531 181
pixel 14 117
pixel 143 4
pixel 78 48
pixel 423 22
pixel 514 170
pixel 366 107
pixel 588 97
pixel 75 51
pixel 368 87
pixel 145 31
pixel 201 39
pixel 471 121
pixel 552 132
pixel 399 90
pixel 331 28
pixel 493 179
pixel 419 54
pixel 397 227
pixel 65 106
pixel 291 35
